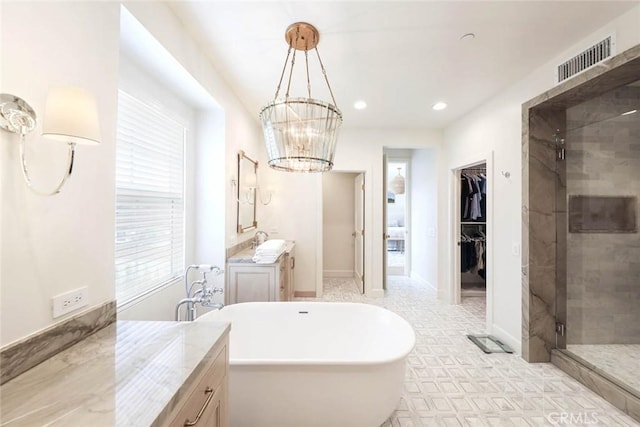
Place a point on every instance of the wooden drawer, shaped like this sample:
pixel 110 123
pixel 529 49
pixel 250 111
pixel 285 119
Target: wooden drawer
pixel 206 402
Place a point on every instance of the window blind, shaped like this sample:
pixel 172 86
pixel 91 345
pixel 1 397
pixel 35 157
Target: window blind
pixel 149 249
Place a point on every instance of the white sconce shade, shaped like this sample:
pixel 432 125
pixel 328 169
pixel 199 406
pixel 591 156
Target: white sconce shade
pixel 71 115
pixel 397 184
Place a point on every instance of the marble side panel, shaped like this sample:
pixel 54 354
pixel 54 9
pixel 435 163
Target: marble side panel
pixel 614 394
pixel 539 300
pixel 23 355
pixel 526 295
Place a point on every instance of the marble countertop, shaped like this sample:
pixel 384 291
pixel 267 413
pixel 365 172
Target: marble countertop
pixel 131 373
pixel 246 255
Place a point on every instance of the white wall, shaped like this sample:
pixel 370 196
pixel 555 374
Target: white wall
pixel 338 222
pixel 424 216
pixel 54 244
pixel 496 127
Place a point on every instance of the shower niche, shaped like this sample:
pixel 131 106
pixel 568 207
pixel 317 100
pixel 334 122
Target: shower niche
pixel 581 246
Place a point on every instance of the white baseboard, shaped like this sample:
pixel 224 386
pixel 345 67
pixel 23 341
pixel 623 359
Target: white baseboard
pixel 505 337
pixel 337 273
pixel 376 293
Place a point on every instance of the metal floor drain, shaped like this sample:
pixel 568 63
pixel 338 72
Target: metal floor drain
pixel 490 344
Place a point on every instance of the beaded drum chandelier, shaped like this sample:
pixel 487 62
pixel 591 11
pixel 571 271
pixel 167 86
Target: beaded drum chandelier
pixel 301 133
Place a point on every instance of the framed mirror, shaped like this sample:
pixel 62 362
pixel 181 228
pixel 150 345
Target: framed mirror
pixel 246 193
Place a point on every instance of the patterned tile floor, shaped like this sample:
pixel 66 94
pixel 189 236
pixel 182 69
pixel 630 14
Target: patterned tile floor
pixel 451 382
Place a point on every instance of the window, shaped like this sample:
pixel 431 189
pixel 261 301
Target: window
pixel 150 208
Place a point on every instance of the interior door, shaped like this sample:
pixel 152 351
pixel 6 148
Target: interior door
pixel 359 230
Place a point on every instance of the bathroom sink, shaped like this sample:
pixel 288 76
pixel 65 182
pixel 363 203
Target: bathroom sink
pixel 244 256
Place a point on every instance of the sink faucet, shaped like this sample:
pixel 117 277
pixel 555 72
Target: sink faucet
pixel 259 238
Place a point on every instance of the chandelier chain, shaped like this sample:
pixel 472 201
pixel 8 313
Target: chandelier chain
pixel 293 63
pixel 326 79
pixel 284 68
pixel 306 59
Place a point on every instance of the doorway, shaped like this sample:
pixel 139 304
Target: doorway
pixel 471 198
pixel 473 229
pixel 343 227
pixel 397 217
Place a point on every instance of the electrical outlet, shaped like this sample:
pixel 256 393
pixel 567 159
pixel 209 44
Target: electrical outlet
pixel 70 301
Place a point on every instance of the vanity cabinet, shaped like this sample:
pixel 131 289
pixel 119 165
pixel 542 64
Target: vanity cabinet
pixel 290 265
pixel 249 282
pixel 252 282
pixel 205 404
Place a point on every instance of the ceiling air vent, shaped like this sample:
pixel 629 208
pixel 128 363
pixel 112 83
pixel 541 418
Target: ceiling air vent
pixel 586 59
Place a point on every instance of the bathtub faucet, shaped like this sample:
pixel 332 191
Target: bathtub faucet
pixel 198 292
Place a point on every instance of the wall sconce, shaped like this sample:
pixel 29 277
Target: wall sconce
pixel 251 190
pixel 71 116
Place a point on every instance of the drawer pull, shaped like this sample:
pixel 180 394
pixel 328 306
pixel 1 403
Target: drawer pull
pixel 208 391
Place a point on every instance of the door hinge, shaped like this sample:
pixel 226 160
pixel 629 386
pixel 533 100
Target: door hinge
pixel 560 329
pixel 362 187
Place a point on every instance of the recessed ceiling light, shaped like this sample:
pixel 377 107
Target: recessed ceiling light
pixel 439 106
pixel 360 105
pixel 468 36
pixel 629 112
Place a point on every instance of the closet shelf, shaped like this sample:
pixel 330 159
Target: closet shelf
pixel 473 222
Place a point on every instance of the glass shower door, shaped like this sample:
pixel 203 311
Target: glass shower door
pixel 598 245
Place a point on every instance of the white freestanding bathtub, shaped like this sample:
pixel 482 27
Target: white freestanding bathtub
pixel 305 364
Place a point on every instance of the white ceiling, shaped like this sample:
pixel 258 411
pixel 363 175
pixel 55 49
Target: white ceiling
pixel 400 57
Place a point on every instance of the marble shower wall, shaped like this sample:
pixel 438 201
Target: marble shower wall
pixel 603 269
